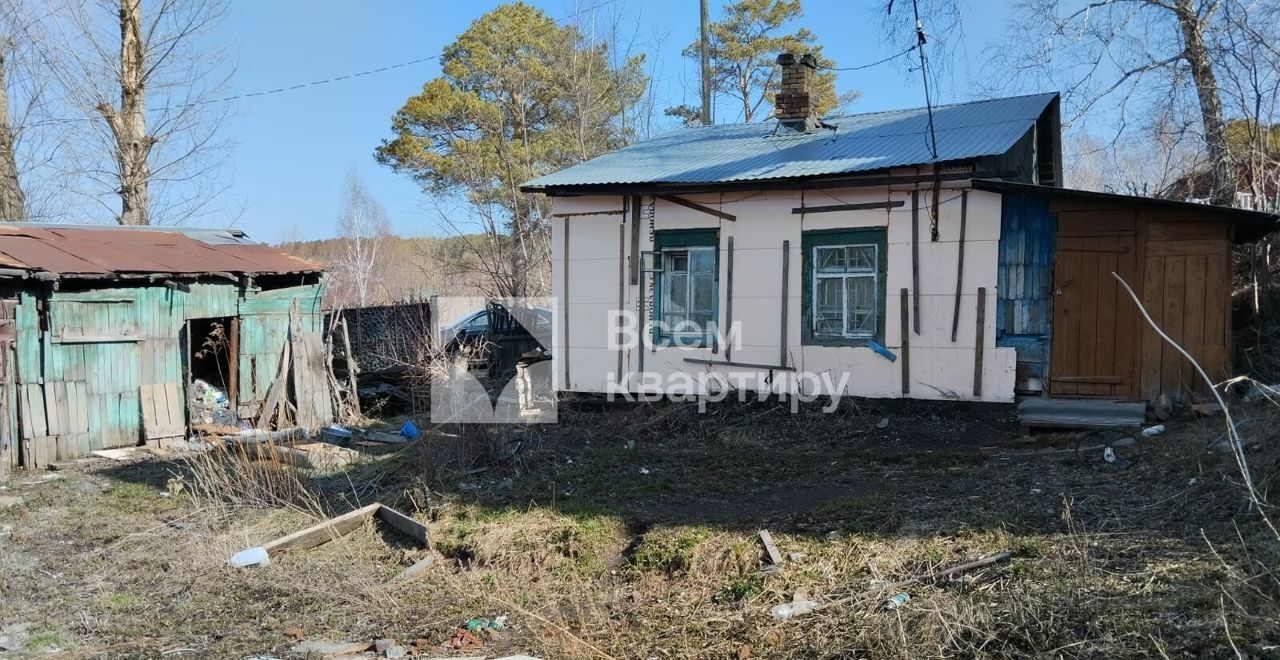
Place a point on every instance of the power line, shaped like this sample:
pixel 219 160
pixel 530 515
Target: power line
pixel 875 63
pixel 312 83
pixel 924 74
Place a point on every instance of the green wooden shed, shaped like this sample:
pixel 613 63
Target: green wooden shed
pixel 104 330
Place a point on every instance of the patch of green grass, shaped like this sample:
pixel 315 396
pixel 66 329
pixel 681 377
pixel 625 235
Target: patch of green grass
pixel 666 551
pixel 46 641
pixel 743 588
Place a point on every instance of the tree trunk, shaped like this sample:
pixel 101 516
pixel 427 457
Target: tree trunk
pixel 129 124
pixel 1196 54
pixel 12 201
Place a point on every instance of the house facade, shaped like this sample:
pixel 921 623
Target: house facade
pixel 909 253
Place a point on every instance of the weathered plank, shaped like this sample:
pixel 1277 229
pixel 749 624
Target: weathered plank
pixel 906 344
pixel 980 341
pixel 322 532
pixel 404 524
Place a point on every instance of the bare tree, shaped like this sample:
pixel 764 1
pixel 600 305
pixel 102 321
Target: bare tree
pixel 364 228
pixel 1144 58
pixel 12 201
pixel 147 77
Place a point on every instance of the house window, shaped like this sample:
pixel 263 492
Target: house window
pixel 844 295
pixel 686 287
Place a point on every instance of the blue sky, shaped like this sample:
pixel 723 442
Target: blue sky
pixel 293 149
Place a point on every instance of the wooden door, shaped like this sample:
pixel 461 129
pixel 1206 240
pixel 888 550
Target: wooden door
pixel 1095 347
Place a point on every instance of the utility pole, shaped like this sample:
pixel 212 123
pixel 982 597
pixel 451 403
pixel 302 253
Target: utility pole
pixel 705 48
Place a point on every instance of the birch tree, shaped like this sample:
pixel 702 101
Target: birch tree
pixel 363 228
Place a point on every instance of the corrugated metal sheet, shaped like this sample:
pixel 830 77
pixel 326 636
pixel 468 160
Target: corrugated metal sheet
pixel 99 251
pixel 859 143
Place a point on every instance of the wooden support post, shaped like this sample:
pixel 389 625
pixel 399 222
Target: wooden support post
pixel 634 219
pixel 977 351
pixel 728 301
pixel 786 278
pixel 915 260
pixel 233 366
pixel 622 281
pixel 955 314
pixel 906 346
pixel 353 369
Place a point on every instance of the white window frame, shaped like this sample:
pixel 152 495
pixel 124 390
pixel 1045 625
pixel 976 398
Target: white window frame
pixel 873 273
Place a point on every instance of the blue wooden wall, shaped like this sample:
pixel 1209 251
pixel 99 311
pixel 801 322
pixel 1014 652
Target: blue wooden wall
pixel 102 344
pixel 1024 285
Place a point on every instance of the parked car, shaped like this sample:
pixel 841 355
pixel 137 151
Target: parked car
pixel 477 330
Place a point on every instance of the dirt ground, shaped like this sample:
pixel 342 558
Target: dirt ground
pixel 631 532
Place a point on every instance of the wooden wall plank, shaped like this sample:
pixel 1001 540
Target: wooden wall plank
pixel 1152 345
pixel 1174 303
pixel 1193 323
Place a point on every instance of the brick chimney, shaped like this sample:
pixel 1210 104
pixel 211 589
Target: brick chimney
pixel 793 105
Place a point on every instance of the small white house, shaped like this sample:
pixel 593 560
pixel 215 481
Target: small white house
pixel 920 253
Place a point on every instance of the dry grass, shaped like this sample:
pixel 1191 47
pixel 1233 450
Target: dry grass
pixel 590 557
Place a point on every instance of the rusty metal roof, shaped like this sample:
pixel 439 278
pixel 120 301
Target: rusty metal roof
pixel 103 251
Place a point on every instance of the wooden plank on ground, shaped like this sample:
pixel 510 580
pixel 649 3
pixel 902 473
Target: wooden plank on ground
pixel 346 523
pixel 322 532
pixel 770 548
pixel 404 524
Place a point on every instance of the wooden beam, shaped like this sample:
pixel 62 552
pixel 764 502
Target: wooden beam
pixel 346 523
pixel 770 547
pixel 403 524
pixel 634 220
pixel 728 299
pixel 955 313
pixel 786 261
pixel 915 260
pixel 906 345
pixel 586 213
pixel 977 352
pixel 744 365
pixel 622 282
pixel 865 206
pixel 698 207
pixel 322 532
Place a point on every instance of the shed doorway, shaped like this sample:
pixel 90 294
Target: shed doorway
pixel 1096 337
pixel 212 362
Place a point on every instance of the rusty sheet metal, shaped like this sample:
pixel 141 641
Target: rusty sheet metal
pixel 97 251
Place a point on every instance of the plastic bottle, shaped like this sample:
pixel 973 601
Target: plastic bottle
pixel 251 557
pixel 1153 431
pixel 793 609
pixel 898 600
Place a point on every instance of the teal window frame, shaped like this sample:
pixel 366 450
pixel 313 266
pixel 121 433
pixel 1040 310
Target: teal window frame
pixel 810 241
pixel 674 240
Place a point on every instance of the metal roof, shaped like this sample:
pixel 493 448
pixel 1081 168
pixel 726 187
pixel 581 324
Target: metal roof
pixel 70 250
pixel 1251 225
pixel 761 151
